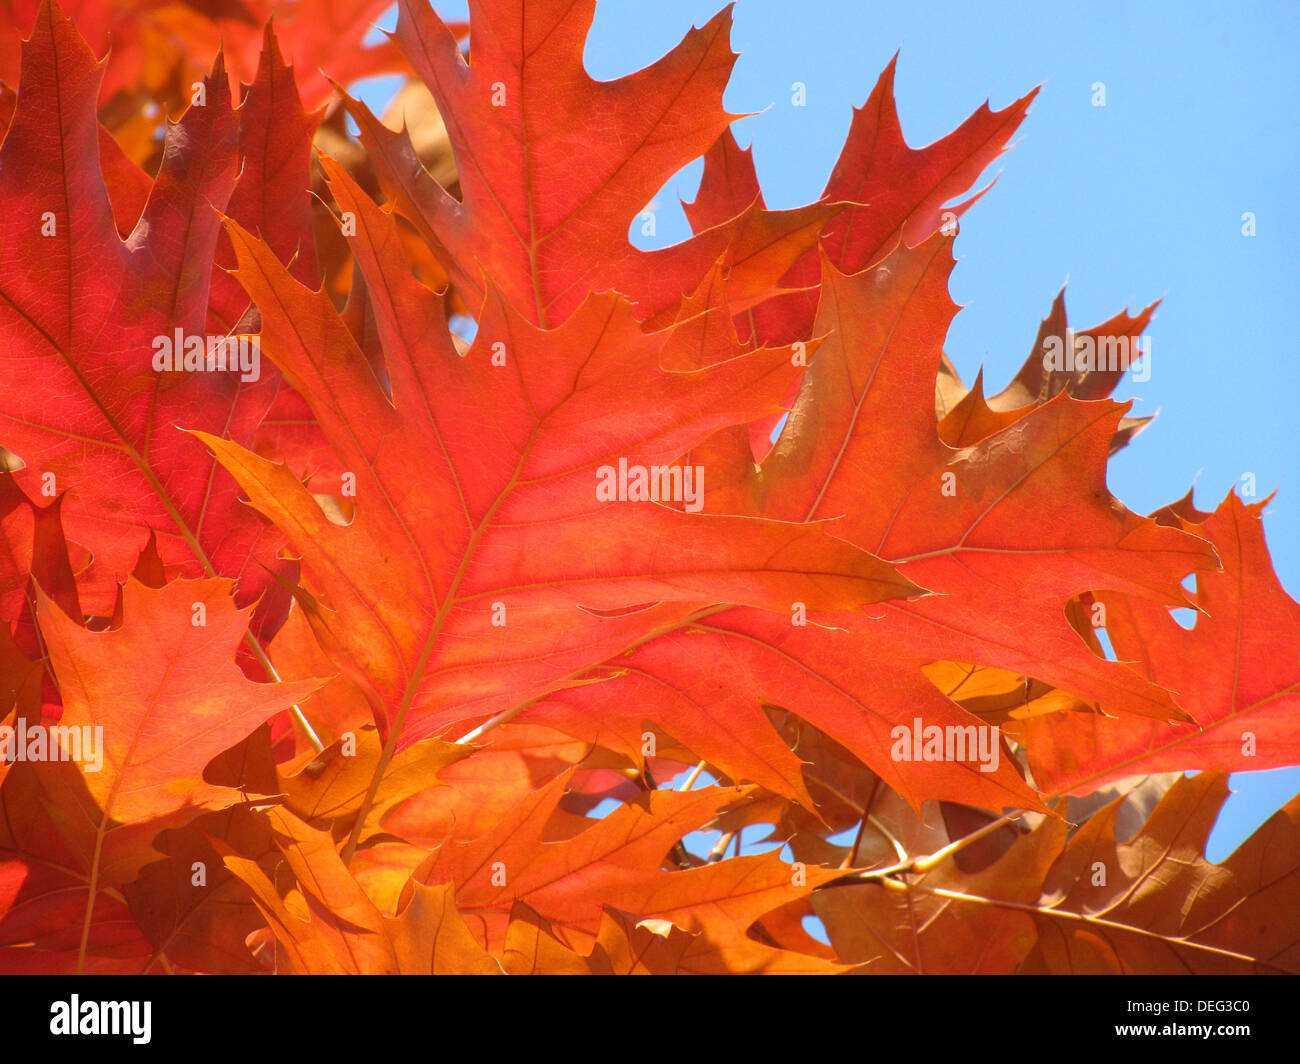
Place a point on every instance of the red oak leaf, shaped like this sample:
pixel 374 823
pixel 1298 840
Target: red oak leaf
pixel 82 317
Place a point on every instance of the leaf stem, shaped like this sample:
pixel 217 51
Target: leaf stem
pixel 295 711
pixel 689 782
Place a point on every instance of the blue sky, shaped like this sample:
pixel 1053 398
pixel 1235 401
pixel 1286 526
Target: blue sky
pixel 1141 199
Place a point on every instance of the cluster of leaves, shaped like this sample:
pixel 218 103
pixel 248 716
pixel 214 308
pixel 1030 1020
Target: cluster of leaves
pixel 367 647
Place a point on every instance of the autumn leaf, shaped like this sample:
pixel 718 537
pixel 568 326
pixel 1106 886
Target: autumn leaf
pixel 164 691
pixel 527 216
pixel 518 575
pixel 1092 363
pixel 61 904
pixel 145 708
pixel 898 195
pixel 270 197
pixel 623 946
pixel 624 611
pixel 1244 717
pixel 616 862
pixel 529 220
pixel 333 786
pixel 80 311
pixel 1087 903
pixel 159 48
pixel 1025 508
pixel 192 909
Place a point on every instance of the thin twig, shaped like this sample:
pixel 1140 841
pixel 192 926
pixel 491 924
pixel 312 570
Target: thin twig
pixel 720 848
pixel 918 865
pixel 852 859
pixel 924 864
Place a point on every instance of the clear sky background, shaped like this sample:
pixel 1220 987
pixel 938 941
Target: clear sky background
pixel 1139 200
